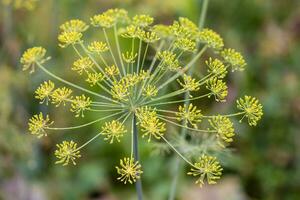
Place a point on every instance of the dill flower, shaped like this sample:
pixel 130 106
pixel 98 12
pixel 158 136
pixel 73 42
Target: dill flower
pixel 185 44
pixel 151 126
pixel 211 39
pixel 31 57
pixel 142 20
pixel 189 114
pixel 224 129
pixel 169 60
pixel 134 84
pixel 207 168
pixel 94 78
pixel 218 89
pixel 112 70
pixel 252 109
pixel 113 130
pixel 61 95
pixel 82 65
pixel 234 58
pixel 74 25
pixel 189 83
pixel 67 152
pixel 129 170
pixel 68 38
pixel 38 125
pixel 44 91
pixel 98 47
pixel 150 91
pixel 216 68
pixel 80 104
pixel 129 57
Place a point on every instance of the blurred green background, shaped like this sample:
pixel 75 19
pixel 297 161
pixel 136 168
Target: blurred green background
pixel 265 163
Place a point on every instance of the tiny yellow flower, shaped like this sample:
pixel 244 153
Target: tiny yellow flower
pixel 120 91
pixel 150 91
pixel 68 38
pixel 189 114
pixel 74 25
pixel 61 95
pixel 234 59
pixel 190 27
pixel 82 65
pixel 98 47
pixel 189 83
pixel 129 170
pixel 103 20
pixel 185 44
pixel 152 127
pixel 94 78
pixel 224 128
pixel 148 37
pixel 113 130
pixel 206 168
pixel 168 60
pixel 218 89
pixel 44 91
pixel 161 30
pixel 252 108
pixel 216 68
pixel 142 20
pixel 31 57
pixel 38 125
pixel 67 151
pixel 80 104
pixel 129 57
pixel 112 70
pixel 131 31
pixel 211 39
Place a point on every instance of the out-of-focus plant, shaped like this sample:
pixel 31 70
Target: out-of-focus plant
pixel 129 88
pixel 18 4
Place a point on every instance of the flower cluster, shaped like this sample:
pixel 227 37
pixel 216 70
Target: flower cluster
pixel 130 84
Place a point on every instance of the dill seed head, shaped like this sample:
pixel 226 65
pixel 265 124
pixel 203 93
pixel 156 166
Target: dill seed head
pixel 206 169
pixel 129 170
pixel 67 152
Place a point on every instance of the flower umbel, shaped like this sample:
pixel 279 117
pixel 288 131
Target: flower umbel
pixel 38 125
pixel 207 168
pixel 252 108
pixel 67 152
pixel 137 82
pixel 129 170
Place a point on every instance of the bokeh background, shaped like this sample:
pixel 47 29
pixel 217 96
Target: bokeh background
pixel 265 160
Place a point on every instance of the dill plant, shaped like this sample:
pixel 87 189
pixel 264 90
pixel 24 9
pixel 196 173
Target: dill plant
pixel 126 88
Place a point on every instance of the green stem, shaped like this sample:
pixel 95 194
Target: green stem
pixel 138 184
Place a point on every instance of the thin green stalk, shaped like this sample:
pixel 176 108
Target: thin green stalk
pixel 119 49
pixel 138 184
pixel 74 85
